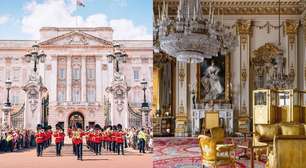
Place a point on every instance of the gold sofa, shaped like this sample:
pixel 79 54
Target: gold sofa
pixel 264 133
pixel 288 152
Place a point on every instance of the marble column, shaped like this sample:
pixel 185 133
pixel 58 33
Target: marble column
pixel 181 100
pixel 244 30
pixel 69 75
pixel 83 79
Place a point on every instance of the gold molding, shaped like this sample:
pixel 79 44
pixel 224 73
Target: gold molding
pixel 244 28
pixel 241 7
pixel 291 27
pixel 181 74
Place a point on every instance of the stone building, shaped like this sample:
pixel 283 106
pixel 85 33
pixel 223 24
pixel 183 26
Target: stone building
pixel 76 73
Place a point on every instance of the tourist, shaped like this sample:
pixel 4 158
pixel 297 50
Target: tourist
pixel 142 140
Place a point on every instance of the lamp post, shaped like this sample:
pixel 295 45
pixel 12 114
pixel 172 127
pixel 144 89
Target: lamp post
pixel 7 105
pixel 145 105
pixel 118 55
pixel 35 55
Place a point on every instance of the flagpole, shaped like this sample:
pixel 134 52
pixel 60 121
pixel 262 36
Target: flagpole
pixel 76 16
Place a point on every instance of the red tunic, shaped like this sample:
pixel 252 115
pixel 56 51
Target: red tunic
pixel 77 137
pixel 40 137
pixel 97 137
pixel 59 136
pixel 120 137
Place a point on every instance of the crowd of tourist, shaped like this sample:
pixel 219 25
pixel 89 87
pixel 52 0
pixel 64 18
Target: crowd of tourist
pixel 12 140
pixel 136 137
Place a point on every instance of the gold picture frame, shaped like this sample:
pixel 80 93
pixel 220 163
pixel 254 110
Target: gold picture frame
pixel 226 84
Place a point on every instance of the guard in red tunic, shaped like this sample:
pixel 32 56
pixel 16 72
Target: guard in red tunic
pixel 97 139
pixel 113 138
pixel 59 137
pixel 78 141
pixel 39 139
pixel 120 139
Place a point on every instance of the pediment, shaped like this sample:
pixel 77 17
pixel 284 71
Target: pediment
pixel 76 38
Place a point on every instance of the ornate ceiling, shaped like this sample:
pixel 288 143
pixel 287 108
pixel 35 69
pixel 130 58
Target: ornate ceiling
pixel 243 7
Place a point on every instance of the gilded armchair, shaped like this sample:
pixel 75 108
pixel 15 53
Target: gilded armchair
pixel 218 134
pixel 209 153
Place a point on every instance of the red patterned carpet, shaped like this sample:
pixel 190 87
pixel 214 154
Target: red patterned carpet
pixel 185 153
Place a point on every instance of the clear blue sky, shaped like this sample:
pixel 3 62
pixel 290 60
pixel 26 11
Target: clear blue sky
pixel 13 12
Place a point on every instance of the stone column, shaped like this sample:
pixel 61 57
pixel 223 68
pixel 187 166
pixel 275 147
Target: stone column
pixel 244 30
pixel 53 80
pixel 291 27
pixel 181 100
pixel 98 80
pixel 69 76
pixel 83 80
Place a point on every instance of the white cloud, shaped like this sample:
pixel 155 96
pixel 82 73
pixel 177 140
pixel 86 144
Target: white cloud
pixel 4 19
pixel 60 13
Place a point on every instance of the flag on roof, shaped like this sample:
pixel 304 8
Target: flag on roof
pixel 80 3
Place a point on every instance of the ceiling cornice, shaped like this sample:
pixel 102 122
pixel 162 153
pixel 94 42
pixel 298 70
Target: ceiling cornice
pixel 242 7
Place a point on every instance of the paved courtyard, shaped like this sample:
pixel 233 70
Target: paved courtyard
pixel 28 159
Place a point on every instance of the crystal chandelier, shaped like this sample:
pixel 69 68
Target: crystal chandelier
pixel 190 37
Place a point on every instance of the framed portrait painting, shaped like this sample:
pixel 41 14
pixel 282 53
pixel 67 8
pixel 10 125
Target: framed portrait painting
pixel 213 79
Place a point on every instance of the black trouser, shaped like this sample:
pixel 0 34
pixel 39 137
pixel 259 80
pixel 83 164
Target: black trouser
pixel 103 143
pixel 109 146
pixel 74 149
pixel 141 145
pixel 120 147
pixel 98 148
pixel 114 146
pixel 58 148
pixel 79 151
pixel 39 148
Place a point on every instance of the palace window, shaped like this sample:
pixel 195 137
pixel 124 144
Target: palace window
pixel 76 74
pixel 136 74
pixel 15 74
pixel 61 96
pixel 76 95
pixel 62 74
pixel 14 98
pixel 91 74
pixel 91 95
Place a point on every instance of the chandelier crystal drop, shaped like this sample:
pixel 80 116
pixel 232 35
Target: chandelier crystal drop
pixel 191 36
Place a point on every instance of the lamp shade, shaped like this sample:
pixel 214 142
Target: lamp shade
pixel 28 57
pixel 144 83
pixel 110 57
pixel 42 56
pixel 8 83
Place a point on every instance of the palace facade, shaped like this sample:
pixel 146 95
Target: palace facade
pixel 75 74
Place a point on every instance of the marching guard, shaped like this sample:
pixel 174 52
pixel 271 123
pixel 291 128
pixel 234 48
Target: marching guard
pixel 40 140
pixel 97 139
pixel 120 139
pixel 59 136
pixel 78 141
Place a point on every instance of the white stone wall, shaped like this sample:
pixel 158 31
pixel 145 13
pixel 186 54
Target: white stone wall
pixel 60 111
